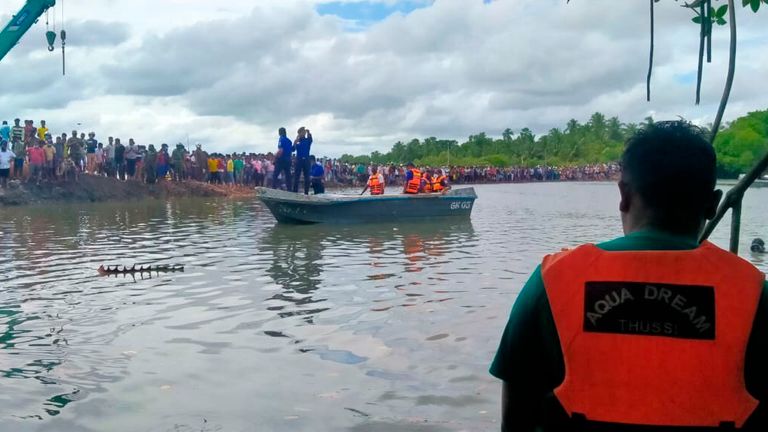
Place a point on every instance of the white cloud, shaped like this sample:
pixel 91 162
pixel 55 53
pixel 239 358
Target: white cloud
pixel 230 75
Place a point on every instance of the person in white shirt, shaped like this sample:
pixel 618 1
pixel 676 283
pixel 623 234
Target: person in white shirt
pixel 6 157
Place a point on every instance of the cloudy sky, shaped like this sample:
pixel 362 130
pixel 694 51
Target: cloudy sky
pixel 365 74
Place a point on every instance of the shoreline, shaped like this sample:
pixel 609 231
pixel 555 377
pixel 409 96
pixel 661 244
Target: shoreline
pixel 96 189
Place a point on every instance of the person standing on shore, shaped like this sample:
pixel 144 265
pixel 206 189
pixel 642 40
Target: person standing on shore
pixel 5 132
pixel 50 159
pixel 239 169
pixel 213 169
pixel 109 158
pixel 119 159
pixel 178 156
pixel 150 165
pixel 283 160
pixel 303 145
pixel 100 159
pixel 42 131
pixel 90 153
pixel 36 161
pixel 72 149
pixel 6 159
pixel 19 149
pixel 17 131
pixel 58 157
pixel 131 154
pixel 30 132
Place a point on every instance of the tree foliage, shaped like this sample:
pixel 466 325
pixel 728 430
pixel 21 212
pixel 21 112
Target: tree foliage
pixel 742 144
pixel 598 140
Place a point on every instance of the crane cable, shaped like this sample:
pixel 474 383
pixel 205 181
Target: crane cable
pixel 63 42
pixel 50 35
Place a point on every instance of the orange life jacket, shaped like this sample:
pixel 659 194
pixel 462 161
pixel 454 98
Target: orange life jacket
pixel 414 185
pixel 654 338
pixel 377 188
pixel 437 185
pixel 426 182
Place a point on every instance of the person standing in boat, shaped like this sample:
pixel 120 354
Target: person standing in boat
pixel 412 180
pixel 651 331
pixel 317 174
pixel 302 145
pixel 375 182
pixel 283 160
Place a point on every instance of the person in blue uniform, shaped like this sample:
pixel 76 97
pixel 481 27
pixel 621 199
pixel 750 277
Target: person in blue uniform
pixel 317 173
pixel 283 160
pixel 303 145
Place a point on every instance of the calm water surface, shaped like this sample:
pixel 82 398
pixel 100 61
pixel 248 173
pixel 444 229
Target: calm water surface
pixel 273 328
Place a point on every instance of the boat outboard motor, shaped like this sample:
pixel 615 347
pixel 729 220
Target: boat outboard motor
pixel 758 245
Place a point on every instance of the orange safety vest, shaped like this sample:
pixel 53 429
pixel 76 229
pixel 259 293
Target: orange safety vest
pixel 375 185
pixel 655 338
pixel 437 186
pixel 427 181
pixel 414 185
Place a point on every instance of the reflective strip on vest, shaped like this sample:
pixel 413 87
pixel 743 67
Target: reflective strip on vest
pixel 376 187
pixel 639 372
pixel 414 185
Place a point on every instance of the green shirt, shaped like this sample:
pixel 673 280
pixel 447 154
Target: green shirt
pixel 239 165
pixel 530 360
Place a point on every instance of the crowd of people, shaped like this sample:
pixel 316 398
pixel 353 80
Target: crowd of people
pixel 32 153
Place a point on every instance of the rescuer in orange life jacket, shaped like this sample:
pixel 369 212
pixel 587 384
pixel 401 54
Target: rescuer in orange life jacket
pixel 650 331
pixel 412 179
pixel 440 182
pixel 375 182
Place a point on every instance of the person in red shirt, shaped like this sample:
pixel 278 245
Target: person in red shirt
pixel 36 156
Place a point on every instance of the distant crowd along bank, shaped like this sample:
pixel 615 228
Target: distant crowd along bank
pixel 33 153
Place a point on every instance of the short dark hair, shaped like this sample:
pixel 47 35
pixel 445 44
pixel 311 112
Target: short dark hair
pixel 282 131
pixel 672 166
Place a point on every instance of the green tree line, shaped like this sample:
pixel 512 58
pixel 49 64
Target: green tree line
pixel 598 140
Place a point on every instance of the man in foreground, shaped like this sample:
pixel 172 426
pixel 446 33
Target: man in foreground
pixel 648 332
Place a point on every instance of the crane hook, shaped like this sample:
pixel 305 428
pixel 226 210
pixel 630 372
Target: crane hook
pixel 51 36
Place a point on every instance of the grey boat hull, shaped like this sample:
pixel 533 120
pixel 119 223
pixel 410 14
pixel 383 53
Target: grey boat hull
pixel 295 208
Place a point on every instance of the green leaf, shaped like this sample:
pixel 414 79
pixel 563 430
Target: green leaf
pixel 721 21
pixel 697 19
pixel 722 10
pixel 755 5
pixel 745 3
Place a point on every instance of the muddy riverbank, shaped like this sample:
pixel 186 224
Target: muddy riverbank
pixel 102 189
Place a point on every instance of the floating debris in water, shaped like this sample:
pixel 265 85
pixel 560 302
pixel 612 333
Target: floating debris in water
pixel 117 270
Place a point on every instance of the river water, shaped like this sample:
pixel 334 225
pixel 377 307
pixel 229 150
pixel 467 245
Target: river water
pixel 275 328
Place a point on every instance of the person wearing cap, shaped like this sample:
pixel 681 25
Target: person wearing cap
pixel 652 331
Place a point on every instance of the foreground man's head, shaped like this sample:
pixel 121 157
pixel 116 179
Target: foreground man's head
pixel 668 179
